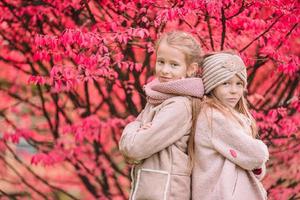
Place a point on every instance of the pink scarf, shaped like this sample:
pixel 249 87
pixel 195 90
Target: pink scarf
pixel 158 92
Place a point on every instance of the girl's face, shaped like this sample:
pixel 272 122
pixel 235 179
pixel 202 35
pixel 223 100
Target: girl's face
pixel 170 63
pixel 229 92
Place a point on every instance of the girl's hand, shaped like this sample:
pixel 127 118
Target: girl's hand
pixel 145 126
pixel 257 171
pixel 260 172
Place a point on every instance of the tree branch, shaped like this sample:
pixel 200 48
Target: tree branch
pixel 260 35
pixel 223 19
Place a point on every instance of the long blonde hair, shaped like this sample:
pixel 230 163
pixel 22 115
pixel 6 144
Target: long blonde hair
pixel 185 42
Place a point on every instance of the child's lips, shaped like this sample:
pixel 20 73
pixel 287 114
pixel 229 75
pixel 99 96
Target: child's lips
pixel 164 79
pixel 232 99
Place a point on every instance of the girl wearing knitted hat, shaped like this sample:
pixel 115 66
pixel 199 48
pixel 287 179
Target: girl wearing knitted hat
pixel 156 142
pixel 228 162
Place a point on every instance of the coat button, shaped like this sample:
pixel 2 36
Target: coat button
pixel 233 153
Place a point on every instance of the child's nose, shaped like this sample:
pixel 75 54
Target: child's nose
pixel 233 89
pixel 165 69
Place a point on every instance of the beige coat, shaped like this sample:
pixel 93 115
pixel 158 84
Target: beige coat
pixel 225 155
pixel 163 173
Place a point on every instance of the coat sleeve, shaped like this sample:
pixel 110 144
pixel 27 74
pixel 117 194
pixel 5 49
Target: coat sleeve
pixel 231 140
pixel 169 124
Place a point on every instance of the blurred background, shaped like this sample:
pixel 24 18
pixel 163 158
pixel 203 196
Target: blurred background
pixel 72 75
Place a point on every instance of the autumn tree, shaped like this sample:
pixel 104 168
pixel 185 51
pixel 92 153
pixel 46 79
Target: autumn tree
pixel 72 76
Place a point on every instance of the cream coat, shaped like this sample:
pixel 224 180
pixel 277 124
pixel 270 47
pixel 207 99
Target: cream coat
pixel 225 155
pixel 163 172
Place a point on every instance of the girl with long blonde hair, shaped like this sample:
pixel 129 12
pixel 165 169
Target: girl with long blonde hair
pixel 228 161
pixel 156 142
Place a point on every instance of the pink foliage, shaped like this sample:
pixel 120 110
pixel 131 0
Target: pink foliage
pixel 63 78
pixel 73 73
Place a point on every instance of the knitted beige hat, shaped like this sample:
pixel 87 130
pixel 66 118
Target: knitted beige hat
pixel 219 67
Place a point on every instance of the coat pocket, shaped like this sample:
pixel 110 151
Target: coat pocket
pixel 151 185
